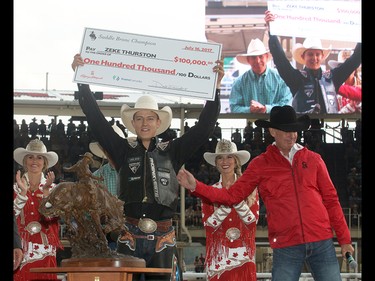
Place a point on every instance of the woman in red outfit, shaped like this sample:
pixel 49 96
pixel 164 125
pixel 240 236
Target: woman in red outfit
pixel 40 235
pixel 230 230
pixel 351 91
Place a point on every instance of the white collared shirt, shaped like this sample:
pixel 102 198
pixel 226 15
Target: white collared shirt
pixel 292 151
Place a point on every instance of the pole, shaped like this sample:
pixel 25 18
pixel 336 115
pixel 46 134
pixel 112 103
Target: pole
pixel 46 81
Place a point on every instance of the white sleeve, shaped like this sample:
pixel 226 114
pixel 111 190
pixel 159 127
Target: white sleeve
pixel 18 202
pixel 244 212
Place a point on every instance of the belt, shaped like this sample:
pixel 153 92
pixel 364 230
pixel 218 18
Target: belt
pixel 148 225
pixel 233 233
pixel 34 227
pixel 148 237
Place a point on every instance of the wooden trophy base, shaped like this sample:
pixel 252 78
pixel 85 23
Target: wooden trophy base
pixel 103 269
pixel 126 261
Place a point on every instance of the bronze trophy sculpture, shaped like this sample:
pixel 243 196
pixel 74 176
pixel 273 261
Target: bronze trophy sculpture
pixel 90 212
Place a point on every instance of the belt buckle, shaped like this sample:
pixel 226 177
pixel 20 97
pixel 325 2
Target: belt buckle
pixel 147 225
pixel 33 227
pixel 233 233
pixel 150 237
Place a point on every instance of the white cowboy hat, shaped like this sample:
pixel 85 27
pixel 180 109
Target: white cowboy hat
pixel 95 147
pixel 255 48
pixel 37 147
pixel 148 103
pixel 225 147
pixel 341 58
pixel 309 43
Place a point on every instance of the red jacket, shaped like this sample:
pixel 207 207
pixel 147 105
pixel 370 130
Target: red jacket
pixel 301 201
pixel 351 92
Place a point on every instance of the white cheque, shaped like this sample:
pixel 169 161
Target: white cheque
pixel 148 63
pixel 330 20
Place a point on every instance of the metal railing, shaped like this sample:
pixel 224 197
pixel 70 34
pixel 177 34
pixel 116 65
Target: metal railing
pixel 189 275
pixel 354 221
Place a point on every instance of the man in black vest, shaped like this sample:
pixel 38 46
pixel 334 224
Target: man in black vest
pixel 147 169
pixel 314 90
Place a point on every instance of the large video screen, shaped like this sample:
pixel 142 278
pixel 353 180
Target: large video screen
pixel 236 99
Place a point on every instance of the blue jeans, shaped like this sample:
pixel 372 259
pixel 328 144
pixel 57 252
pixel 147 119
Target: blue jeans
pixel 320 258
pixel 145 249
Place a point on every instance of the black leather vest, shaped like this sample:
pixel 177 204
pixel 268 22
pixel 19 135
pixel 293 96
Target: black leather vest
pixel 316 91
pixel 151 173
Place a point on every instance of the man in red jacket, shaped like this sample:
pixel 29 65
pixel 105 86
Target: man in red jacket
pixel 303 209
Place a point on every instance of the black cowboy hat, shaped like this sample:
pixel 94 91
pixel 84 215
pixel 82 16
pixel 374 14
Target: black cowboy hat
pixel 284 118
